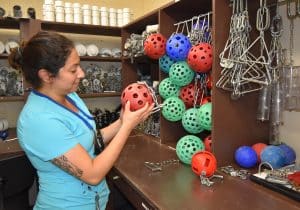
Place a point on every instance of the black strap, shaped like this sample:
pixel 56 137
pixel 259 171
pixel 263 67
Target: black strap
pixel 98 143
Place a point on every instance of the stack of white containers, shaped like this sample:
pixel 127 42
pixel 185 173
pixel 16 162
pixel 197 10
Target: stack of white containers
pixel 59 11
pixel 87 14
pixel 104 16
pixel 48 10
pixel 73 13
pixel 95 15
pixel 77 13
pixel 69 12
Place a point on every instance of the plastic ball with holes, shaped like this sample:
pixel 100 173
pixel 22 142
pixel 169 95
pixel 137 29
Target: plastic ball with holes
pixel 138 95
pixel 188 95
pixel 187 146
pixel 181 74
pixel 155 45
pixel 200 57
pixel 165 63
pixel 204 163
pixel 190 121
pixel 178 46
pixel 208 143
pixel 173 109
pixel 168 89
pixel 204 113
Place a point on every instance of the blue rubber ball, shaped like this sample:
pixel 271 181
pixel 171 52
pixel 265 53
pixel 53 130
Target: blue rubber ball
pixel 274 155
pixel 290 154
pixel 246 157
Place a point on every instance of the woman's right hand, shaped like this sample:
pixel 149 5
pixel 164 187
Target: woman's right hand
pixel 131 119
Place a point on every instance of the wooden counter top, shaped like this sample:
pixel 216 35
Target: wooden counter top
pixel 10 147
pixel 176 187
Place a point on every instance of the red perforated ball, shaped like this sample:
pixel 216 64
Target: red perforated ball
pixel 155 46
pixel 200 57
pixel 205 100
pixel 187 95
pixel 204 162
pixel 137 94
pixel 207 143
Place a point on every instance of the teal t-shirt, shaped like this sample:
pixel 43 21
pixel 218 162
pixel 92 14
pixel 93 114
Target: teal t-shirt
pixel 47 130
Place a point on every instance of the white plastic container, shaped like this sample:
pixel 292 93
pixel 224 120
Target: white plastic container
pixel 95 15
pixel 48 12
pixel 59 14
pixel 77 11
pixel 126 16
pixel 103 16
pixel 119 17
pixel 69 12
pixel 49 2
pixel 58 3
pixel 86 14
pixel 112 17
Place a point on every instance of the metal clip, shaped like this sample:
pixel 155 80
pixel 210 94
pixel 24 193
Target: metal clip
pixel 152 166
pixel 242 173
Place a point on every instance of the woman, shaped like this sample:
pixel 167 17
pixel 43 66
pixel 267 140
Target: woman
pixel 57 132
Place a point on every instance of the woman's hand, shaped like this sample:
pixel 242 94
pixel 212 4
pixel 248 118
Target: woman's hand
pixel 133 118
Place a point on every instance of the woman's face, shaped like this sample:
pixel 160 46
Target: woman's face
pixel 69 76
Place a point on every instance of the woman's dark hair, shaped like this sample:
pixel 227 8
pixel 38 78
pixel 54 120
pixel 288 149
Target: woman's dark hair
pixel 45 50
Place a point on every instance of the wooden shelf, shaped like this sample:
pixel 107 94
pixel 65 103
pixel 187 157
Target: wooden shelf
pixel 11 98
pixel 100 59
pixel 139 25
pixel 3 56
pixel 9 23
pixel 81 28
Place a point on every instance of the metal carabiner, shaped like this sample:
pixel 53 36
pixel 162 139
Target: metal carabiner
pixel 263 14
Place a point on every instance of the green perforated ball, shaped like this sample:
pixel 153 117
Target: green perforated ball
pixel 173 109
pixel 190 121
pixel 181 74
pixel 187 146
pixel 167 89
pixel 204 114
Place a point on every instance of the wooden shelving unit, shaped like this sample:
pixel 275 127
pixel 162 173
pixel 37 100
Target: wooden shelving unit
pixel 234 122
pixel 28 27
